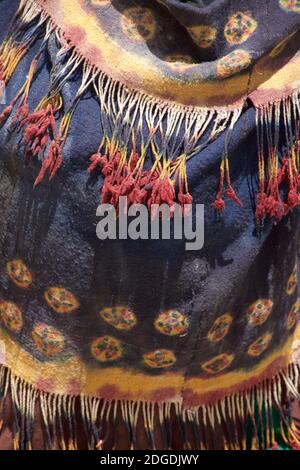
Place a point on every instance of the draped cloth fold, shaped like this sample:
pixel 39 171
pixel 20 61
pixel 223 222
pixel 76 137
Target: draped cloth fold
pixel 163 102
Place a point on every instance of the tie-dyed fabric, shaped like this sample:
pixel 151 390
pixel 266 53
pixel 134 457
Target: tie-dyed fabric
pixel 161 101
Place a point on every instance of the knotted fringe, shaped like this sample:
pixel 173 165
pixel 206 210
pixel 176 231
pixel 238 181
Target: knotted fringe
pixel 256 418
pixel 20 38
pixel 278 126
pixel 135 125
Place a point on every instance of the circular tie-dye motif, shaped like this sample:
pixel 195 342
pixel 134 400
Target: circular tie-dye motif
pixel 259 311
pixel 138 23
pixel 232 63
pixel 218 363
pixel 220 328
pixel 172 323
pixel 179 62
pixel 11 316
pixel 49 341
pixel 106 349
pixel 290 5
pixel 292 282
pixel 18 272
pixel 260 345
pixel 61 300
pixel 239 28
pixel 119 317
pixel 203 35
pixel 161 358
pixel 293 315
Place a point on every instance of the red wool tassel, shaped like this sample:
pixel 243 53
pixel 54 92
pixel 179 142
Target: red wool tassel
pixel 163 192
pixel 22 109
pixel 261 204
pixel 5 114
pixel 269 202
pixel 167 191
pixel 57 161
pixel 21 113
pixel 133 161
pixel 184 198
pixel 37 128
pixel 128 178
pixel 117 180
pixel 219 204
pixel 231 194
pixel 293 199
pixel 51 162
pixel 95 162
pixel 276 208
pixel 110 194
pixel 137 196
pixel 127 185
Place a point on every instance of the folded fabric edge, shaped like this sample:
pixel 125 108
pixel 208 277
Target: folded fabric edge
pixel 258 418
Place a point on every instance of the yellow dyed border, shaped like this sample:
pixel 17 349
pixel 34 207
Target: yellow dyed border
pixel 58 377
pixel 151 75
